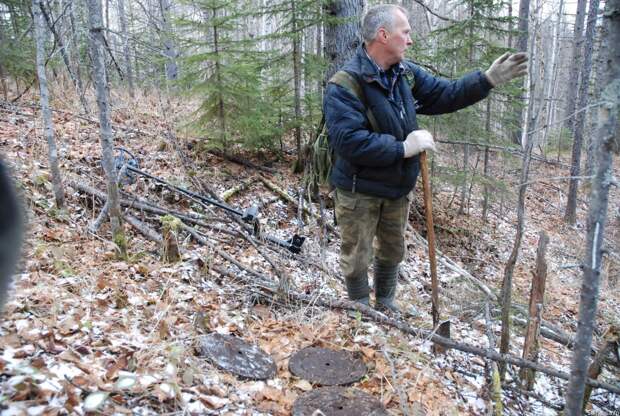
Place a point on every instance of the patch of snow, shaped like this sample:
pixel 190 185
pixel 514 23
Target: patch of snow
pixel 63 370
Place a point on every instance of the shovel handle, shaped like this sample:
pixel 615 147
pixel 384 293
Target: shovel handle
pixel 430 237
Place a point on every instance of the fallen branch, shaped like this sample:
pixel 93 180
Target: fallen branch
pixel 243 162
pixel 404 327
pixel 450 264
pixel 445 342
pixel 282 194
pixel 148 208
pixel 142 228
pixel 226 195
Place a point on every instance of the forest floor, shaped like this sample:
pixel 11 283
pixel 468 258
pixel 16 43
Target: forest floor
pixel 82 322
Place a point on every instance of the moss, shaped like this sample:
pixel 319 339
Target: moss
pixel 170 223
pixel 120 241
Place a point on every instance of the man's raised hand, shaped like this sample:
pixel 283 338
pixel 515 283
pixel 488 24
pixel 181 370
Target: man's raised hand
pixel 507 67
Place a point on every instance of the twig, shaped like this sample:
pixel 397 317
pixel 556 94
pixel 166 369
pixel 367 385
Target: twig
pixel 288 198
pixel 403 402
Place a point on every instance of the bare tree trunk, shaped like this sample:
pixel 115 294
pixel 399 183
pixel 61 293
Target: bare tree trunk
pixel 39 30
pixel 65 57
pixel 573 78
pixel 299 165
pixel 218 76
pixel 537 295
pixel 107 146
pixel 552 87
pixel 570 216
pixel 3 75
pixel 172 71
pixel 521 46
pixel 607 140
pixel 485 169
pixel 506 294
pixel 342 39
pixel 319 49
pixel 461 210
pixel 76 54
pixel 126 56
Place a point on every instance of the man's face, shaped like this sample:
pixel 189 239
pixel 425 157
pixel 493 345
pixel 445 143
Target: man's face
pixel 398 40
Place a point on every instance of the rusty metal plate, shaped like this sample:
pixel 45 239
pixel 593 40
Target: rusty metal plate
pixel 327 367
pixel 237 356
pixel 338 401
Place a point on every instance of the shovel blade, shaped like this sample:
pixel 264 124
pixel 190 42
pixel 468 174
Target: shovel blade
pixel 443 330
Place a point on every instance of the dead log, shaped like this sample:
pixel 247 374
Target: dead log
pixel 537 294
pixel 229 193
pixel 142 228
pixel 241 161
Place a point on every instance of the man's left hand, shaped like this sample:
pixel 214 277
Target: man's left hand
pixel 507 67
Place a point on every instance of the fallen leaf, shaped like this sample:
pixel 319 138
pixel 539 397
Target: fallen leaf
pixel 94 401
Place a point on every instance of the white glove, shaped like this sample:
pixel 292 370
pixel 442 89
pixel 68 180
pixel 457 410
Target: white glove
pixel 507 67
pixel 417 142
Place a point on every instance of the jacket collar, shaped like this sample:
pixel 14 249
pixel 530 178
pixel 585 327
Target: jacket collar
pixel 370 70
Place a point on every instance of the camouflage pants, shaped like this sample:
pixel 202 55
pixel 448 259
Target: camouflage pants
pixel 361 218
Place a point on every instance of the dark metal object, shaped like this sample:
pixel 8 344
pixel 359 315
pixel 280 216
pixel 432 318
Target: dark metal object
pixel 327 367
pixel 233 354
pixel 122 161
pixel 248 215
pixel 338 401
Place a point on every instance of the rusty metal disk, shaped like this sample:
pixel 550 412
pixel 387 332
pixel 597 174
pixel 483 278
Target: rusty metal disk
pixel 237 356
pixel 338 401
pixel 327 367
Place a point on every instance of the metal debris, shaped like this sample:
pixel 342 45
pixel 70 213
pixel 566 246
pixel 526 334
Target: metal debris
pixel 327 367
pixel 232 354
pixel 338 401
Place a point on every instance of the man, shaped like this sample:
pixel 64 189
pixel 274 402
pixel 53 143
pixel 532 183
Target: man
pixel 375 171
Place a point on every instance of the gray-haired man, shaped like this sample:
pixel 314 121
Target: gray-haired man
pixel 377 166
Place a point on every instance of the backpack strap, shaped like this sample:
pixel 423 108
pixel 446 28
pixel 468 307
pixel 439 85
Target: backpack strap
pixel 348 82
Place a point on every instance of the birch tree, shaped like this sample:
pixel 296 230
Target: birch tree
pixel 521 46
pixel 570 215
pixel 573 78
pixel 126 57
pixel 112 206
pixel 606 143
pixel 39 33
pixel 172 71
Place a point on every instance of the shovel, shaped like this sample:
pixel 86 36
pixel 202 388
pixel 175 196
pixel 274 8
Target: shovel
pixel 442 328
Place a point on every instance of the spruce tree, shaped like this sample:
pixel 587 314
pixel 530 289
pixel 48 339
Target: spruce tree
pixel 226 71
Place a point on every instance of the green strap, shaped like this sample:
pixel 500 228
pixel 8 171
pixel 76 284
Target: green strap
pixel 348 82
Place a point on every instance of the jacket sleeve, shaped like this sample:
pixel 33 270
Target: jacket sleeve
pixel 349 133
pixel 439 95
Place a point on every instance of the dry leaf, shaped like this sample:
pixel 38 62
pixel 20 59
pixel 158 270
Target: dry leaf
pixel 213 402
pixel 303 385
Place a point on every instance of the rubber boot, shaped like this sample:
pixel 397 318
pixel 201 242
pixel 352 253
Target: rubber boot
pixel 358 290
pixel 386 276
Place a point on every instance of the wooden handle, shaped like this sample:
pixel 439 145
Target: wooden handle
pixel 430 237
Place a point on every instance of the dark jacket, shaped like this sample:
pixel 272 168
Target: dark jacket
pixel 372 162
